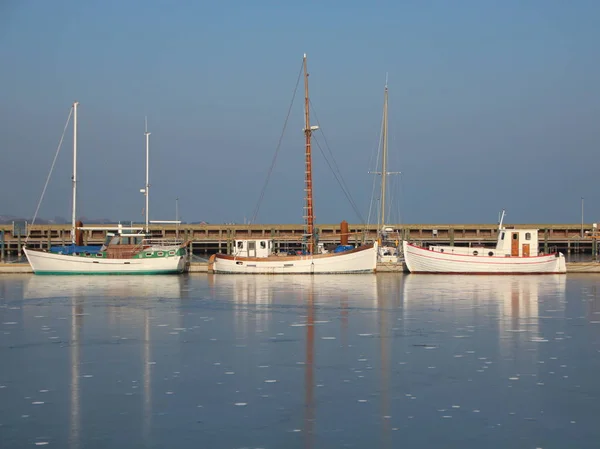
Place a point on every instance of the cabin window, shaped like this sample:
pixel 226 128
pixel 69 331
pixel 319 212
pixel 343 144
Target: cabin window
pixel 149 254
pixel 240 245
pixel 171 253
pixel 502 236
pixel 160 254
pixel 528 236
pixel 263 244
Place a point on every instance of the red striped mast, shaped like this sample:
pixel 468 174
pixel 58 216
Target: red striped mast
pixel 308 186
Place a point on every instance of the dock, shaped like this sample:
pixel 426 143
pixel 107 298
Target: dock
pixel 206 239
pixel 202 267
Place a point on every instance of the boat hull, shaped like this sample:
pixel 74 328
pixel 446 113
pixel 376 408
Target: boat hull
pixel 49 263
pixel 423 260
pixel 358 260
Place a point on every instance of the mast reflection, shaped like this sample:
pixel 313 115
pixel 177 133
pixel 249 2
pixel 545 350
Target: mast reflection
pixel 75 352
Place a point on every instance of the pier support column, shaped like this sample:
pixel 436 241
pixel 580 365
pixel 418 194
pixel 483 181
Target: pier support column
pixel 49 240
pixel 569 247
pixel 2 255
pixel 451 235
pixel 546 241
pixel 595 248
pixel 19 250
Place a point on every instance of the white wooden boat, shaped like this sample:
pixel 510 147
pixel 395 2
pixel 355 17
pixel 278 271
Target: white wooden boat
pixel 123 254
pixel 516 252
pixel 257 256
pixel 126 251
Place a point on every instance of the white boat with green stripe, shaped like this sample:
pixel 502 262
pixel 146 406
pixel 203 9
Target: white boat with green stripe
pixel 125 250
pixel 122 253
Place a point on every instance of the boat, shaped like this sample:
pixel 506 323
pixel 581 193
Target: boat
pixel 516 252
pixel 388 238
pixel 126 250
pixel 257 256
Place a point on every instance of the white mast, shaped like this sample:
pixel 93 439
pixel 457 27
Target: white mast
pixel 74 211
pixel 147 187
pixel 384 155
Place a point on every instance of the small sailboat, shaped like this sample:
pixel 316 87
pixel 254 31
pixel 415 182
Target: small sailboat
pixel 516 252
pixel 125 250
pixel 388 251
pixel 256 256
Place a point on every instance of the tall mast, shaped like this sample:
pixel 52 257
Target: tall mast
pixel 74 210
pixel 308 168
pixel 384 155
pixel 147 187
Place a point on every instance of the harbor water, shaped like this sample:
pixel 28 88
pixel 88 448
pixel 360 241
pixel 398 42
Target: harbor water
pixel 358 361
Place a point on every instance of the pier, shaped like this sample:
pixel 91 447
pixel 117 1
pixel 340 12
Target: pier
pixel 212 238
pixel 207 239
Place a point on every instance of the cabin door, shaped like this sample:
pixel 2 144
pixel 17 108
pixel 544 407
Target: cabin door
pixel 514 248
pixel 525 249
pixel 251 249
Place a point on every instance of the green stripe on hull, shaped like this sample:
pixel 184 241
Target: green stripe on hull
pixel 104 273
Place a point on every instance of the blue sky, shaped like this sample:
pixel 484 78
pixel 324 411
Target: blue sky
pixel 492 105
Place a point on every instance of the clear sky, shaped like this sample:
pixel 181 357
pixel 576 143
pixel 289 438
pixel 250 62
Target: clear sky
pixel 492 105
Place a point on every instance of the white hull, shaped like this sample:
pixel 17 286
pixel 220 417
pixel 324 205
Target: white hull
pixel 49 263
pixel 422 260
pixel 359 260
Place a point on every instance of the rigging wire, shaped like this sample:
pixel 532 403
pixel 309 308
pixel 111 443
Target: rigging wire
pixel 264 188
pixel 336 172
pixel 378 152
pixel 341 183
pixel 49 174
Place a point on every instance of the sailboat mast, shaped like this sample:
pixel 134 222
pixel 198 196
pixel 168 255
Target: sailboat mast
pixel 384 155
pixel 74 209
pixel 308 167
pixel 147 187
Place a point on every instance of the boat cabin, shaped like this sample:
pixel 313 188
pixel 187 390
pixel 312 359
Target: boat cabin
pixel 510 243
pixel 517 242
pixel 260 247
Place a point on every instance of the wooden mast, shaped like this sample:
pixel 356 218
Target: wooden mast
pixel 309 231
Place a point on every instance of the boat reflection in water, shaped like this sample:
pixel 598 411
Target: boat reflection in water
pixel 514 303
pixel 104 286
pixel 318 297
pixel 254 296
pixel 128 299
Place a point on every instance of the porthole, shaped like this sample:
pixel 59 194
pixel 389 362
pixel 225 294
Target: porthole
pixel 490 253
pixel 98 254
pixel 475 253
pixel 149 254
pixel 441 250
pixel 171 253
pixel 160 254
